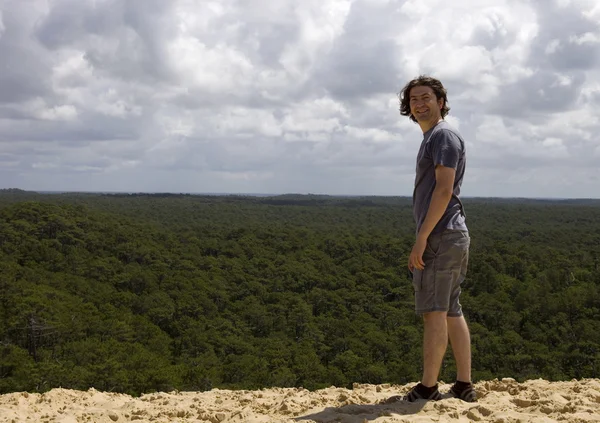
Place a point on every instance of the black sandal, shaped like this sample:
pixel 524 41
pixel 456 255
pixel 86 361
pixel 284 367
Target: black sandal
pixel 468 394
pixel 414 395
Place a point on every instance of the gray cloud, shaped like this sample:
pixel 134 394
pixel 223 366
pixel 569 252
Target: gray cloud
pixel 365 60
pixel 86 128
pixel 290 96
pixel 567 27
pixel 22 67
pixel 539 94
pixel 121 39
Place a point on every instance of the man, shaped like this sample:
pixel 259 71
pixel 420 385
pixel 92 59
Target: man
pixel 438 260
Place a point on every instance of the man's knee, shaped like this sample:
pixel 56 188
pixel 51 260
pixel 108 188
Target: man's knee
pixel 435 316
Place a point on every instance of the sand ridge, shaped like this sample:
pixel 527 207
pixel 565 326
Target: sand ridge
pixel 500 401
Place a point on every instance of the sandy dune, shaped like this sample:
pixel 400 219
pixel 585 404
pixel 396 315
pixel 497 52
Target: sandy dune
pixel 500 401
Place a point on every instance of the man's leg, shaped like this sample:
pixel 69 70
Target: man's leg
pixel 435 342
pixel 460 339
pixel 433 287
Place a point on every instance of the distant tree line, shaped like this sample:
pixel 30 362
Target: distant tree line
pixel 138 293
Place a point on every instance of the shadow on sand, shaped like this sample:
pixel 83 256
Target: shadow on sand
pixel 355 413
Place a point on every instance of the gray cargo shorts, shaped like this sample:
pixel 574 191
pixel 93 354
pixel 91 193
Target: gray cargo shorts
pixel 437 286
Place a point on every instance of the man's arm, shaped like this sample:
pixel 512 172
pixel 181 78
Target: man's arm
pixel 442 193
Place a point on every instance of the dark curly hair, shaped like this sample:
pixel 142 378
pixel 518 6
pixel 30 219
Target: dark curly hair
pixel 427 81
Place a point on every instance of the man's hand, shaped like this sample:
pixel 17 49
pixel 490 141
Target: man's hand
pixel 415 261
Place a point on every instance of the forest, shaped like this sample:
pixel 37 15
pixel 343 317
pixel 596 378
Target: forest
pixel 138 293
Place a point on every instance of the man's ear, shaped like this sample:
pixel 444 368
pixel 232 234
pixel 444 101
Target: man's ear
pixel 441 103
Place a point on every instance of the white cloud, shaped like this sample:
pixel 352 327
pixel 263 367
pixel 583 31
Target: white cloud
pixel 64 112
pixel 294 96
pixel 321 22
pixel 217 69
pixel 587 37
pixel 372 135
pixel 2 27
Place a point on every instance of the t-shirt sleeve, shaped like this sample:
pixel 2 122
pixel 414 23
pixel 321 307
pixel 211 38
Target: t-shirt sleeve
pixel 446 149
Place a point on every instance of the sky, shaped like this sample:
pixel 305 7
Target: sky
pixel 287 96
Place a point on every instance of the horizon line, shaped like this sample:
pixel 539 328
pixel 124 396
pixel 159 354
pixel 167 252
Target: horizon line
pixel 258 194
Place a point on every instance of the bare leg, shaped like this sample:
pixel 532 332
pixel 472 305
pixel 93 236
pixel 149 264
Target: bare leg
pixel 435 342
pixel 460 339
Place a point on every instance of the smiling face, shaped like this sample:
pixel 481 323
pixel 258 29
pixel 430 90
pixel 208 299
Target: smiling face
pixel 424 105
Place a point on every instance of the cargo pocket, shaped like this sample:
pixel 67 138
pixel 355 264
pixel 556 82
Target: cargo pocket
pixel 417 279
pixel 427 277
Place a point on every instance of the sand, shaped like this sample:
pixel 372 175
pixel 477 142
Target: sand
pixel 500 401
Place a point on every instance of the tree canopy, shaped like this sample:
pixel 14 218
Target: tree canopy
pixel 145 292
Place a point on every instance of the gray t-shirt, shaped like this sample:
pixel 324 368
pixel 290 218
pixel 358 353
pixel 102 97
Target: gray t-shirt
pixel 441 145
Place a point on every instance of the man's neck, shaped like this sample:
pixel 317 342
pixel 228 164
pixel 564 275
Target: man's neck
pixel 426 126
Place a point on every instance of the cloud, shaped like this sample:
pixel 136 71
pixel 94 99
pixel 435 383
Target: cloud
pixel 231 96
pixel 568 38
pixel 23 62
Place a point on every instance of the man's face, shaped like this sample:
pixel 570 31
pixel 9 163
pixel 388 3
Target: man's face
pixel 423 104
